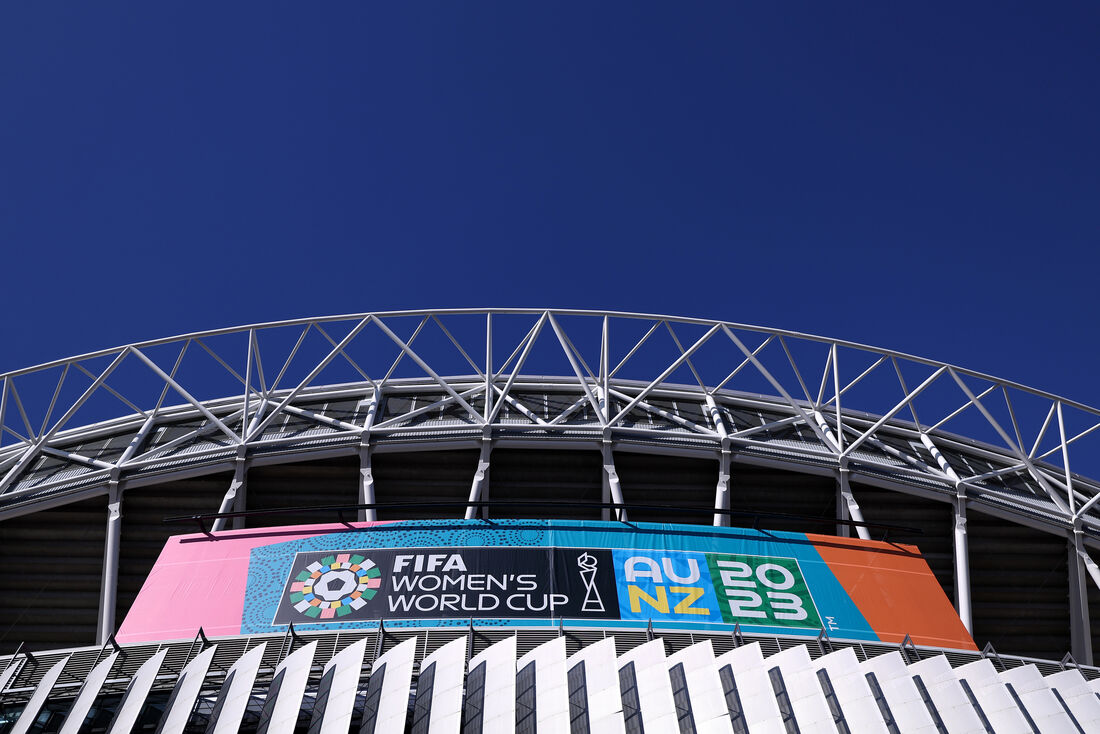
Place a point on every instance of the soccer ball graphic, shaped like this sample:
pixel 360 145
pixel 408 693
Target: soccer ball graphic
pixel 335 586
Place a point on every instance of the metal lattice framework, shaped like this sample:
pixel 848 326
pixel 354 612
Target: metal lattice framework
pixel 285 391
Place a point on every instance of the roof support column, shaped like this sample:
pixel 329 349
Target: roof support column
pixel 960 545
pixel 722 491
pixel 366 483
pixel 612 490
pixel 843 530
pixel 479 488
pixel 235 499
pixel 848 499
pixel 1080 633
pixel 366 476
pixel 962 564
pixel 109 587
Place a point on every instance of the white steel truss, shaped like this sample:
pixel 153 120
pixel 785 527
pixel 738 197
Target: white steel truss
pixel 1018 446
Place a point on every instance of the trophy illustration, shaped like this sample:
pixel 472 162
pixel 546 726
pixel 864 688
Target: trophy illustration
pixel 592 600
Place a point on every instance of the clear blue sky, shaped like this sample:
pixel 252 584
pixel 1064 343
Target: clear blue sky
pixel 921 177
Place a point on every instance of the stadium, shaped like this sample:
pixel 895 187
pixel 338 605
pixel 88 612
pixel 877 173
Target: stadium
pixel 527 520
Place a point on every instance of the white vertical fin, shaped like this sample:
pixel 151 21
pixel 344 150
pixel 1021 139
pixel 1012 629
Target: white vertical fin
pixel 134 699
pixel 186 691
pixel 237 689
pixel 34 705
pixel 341 677
pixel 602 699
pixel 280 715
pixel 498 708
pixel 551 693
pixel 654 690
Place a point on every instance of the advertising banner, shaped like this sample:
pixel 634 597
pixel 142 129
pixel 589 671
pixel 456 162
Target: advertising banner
pixel 538 572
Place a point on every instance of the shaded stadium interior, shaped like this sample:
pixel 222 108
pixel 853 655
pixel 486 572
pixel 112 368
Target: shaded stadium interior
pixel 1019 575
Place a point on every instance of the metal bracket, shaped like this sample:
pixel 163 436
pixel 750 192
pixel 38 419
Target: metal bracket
pixel 11 660
pixel 905 645
pixel 294 637
pixel 470 642
pixel 823 639
pixel 991 652
pixel 381 638
pixel 117 647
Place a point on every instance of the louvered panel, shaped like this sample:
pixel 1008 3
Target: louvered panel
pixel 647 691
pixel 491 704
pixel 551 695
pixel 802 687
pixel 854 695
pixel 948 698
pixel 438 709
pixel 284 696
pixel 30 712
pixel 8 673
pixel 993 699
pixel 702 700
pixel 1078 697
pixel 74 720
pixel 756 489
pixel 235 692
pixel 896 694
pixel 332 711
pixel 388 699
pixel 1038 699
pixel 1019 581
pixel 186 691
pixel 594 695
pixel 653 479
pixel 136 692
pixel 746 668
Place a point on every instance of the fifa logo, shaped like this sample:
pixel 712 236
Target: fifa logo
pixel 592 600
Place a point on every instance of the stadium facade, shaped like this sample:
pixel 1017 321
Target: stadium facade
pixel 541 520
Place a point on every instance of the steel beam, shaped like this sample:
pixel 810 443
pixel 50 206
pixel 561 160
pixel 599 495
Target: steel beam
pixel 962 565
pixel 843 530
pixel 612 490
pixel 366 484
pixel 479 488
pixel 722 491
pixel 960 545
pixel 1080 634
pixel 109 586
pixel 844 488
pixel 235 499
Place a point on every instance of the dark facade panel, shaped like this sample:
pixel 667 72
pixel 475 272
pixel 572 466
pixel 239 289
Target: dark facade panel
pixel 423 476
pixel 765 490
pixel 559 477
pixel 51 563
pixel 1019 580
pixel 651 479
pixel 305 484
